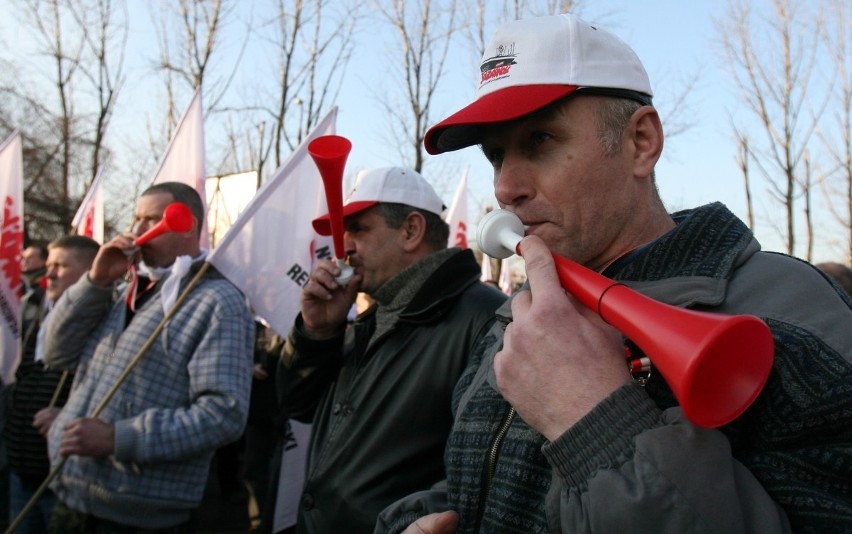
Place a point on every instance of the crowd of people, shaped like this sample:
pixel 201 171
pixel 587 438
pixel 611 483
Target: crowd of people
pixel 440 406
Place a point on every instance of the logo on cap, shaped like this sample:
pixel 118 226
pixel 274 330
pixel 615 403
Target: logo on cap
pixel 499 65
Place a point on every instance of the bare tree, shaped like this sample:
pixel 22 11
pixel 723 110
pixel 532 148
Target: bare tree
pixel 310 43
pixel 806 182
pixel 80 40
pixel 199 45
pixel 838 145
pixel 313 45
pixel 742 162
pixel 425 30
pixel 46 18
pixel 199 24
pixel 105 39
pixel 772 65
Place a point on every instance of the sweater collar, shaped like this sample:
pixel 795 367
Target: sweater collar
pixel 708 241
pixel 394 296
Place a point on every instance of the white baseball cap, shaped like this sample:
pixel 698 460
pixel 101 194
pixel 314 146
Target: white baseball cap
pixel 386 184
pixel 532 63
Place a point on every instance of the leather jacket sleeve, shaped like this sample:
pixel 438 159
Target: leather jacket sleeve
pixel 304 371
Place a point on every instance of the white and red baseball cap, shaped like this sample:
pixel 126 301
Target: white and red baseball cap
pixel 532 63
pixel 386 184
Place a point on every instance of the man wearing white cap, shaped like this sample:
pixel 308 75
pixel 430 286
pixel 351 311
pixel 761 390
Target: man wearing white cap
pixel 552 433
pixel 379 392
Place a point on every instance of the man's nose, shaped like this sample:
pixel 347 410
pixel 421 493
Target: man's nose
pixel 348 243
pixel 140 228
pixel 511 182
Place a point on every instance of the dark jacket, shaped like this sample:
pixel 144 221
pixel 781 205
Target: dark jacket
pixel 635 464
pixel 35 386
pixel 381 417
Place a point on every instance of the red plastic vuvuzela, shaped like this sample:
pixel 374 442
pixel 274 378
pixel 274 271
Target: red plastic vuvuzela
pixel 329 152
pixel 177 217
pixel 715 364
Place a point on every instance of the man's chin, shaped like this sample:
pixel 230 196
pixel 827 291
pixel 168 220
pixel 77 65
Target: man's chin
pixel 151 261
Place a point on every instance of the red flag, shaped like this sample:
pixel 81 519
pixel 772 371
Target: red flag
pixel 183 160
pixel 457 215
pixel 11 243
pixel 270 250
pixel 89 219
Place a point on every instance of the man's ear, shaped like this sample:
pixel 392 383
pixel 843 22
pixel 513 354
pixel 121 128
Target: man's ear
pixel 195 229
pixel 646 133
pixel 413 231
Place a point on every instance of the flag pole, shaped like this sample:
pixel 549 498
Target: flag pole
pixel 108 397
pixel 58 389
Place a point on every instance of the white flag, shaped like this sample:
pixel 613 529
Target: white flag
pixel 271 249
pixel 487 273
pixel 291 475
pixel 11 243
pixel 183 160
pixel 505 281
pixel 457 215
pixel 89 219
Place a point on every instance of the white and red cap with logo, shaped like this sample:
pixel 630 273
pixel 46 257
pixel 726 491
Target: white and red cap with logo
pixel 532 63
pixel 386 184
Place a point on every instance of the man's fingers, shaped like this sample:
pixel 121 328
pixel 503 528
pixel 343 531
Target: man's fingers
pixel 540 267
pixel 322 283
pixel 443 523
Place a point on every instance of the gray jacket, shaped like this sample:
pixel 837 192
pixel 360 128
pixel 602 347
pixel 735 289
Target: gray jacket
pixel 635 464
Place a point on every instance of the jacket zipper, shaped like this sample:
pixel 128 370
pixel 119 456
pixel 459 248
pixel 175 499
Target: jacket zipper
pixel 491 461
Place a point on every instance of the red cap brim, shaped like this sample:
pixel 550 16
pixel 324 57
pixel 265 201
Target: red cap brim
pixel 461 129
pixel 322 225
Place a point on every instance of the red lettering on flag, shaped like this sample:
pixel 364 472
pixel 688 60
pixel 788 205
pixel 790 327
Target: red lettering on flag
pixel 461 235
pixel 12 241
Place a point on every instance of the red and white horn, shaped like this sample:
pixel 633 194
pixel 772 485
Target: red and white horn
pixel 329 152
pixel 177 217
pixel 715 364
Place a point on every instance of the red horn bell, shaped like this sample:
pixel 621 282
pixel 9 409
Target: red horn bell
pixel 715 364
pixel 329 152
pixel 177 217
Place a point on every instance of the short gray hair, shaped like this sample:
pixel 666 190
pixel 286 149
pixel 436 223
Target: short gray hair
pixel 437 231
pixel 613 116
